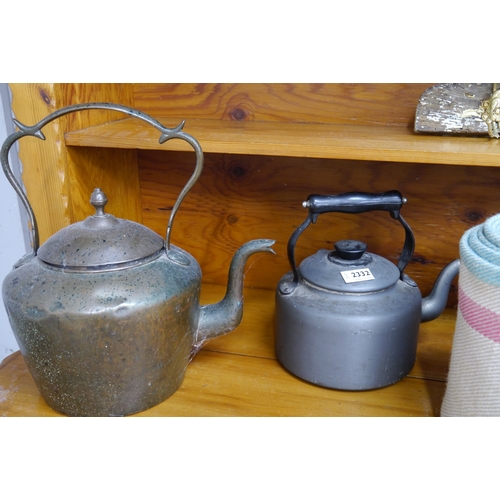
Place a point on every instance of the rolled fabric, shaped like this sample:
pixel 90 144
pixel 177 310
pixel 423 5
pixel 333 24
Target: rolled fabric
pixel 473 385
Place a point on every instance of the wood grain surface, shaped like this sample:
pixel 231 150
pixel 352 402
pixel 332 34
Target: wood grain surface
pixel 311 140
pixel 240 197
pixel 238 375
pixel 112 170
pixel 346 103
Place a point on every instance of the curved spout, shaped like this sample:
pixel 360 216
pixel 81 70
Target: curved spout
pixel 434 304
pixel 224 316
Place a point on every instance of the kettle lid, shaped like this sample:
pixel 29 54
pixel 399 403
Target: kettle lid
pixel 349 269
pixel 101 242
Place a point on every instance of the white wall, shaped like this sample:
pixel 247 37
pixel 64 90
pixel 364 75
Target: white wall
pixel 13 228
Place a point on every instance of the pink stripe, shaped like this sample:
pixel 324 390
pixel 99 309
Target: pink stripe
pixel 481 319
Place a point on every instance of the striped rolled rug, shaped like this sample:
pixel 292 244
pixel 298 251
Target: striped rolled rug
pixel 473 385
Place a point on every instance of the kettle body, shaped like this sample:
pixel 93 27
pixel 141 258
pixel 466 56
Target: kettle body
pixel 345 342
pixel 107 344
pixel 347 319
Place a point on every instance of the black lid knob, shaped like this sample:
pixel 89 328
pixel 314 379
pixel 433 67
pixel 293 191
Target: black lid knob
pixel 350 249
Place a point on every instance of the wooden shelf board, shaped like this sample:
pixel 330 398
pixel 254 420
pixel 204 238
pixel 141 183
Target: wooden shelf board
pixel 238 375
pixel 353 142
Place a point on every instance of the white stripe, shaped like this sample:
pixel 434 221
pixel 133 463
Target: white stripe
pixel 485 295
pixel 473 387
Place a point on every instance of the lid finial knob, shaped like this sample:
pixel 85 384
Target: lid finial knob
pixel 98 201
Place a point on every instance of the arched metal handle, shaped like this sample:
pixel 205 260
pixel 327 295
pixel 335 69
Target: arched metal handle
pixel 35 131
pixel 351 203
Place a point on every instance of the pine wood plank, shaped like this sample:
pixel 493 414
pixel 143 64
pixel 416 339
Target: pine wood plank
pixel 311 140
pixel 344 103
pixel 229 385
pixel 238 375
pixel 112 170
pixel 221 385
pixel 239 198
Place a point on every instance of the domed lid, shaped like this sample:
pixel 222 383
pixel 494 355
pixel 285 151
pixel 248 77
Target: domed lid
pixel 101 242
pixel 349 269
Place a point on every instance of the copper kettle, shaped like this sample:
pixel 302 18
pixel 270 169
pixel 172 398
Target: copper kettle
pixel 106 312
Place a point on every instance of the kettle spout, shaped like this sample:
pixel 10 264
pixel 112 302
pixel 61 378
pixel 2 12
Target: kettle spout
pixel 434 304
pixel 224 316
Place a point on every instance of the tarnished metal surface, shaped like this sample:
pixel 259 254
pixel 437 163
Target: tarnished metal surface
pixel 226 315
pixel 101 241
pixel 106 313
pixel 111 343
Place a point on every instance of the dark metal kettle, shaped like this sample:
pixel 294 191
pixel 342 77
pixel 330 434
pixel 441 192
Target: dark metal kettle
pixel 106 313
pixel 349 319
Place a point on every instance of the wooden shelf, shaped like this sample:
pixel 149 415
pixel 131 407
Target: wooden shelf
pixel 241 196
pixel 238 375
pixel 349 142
